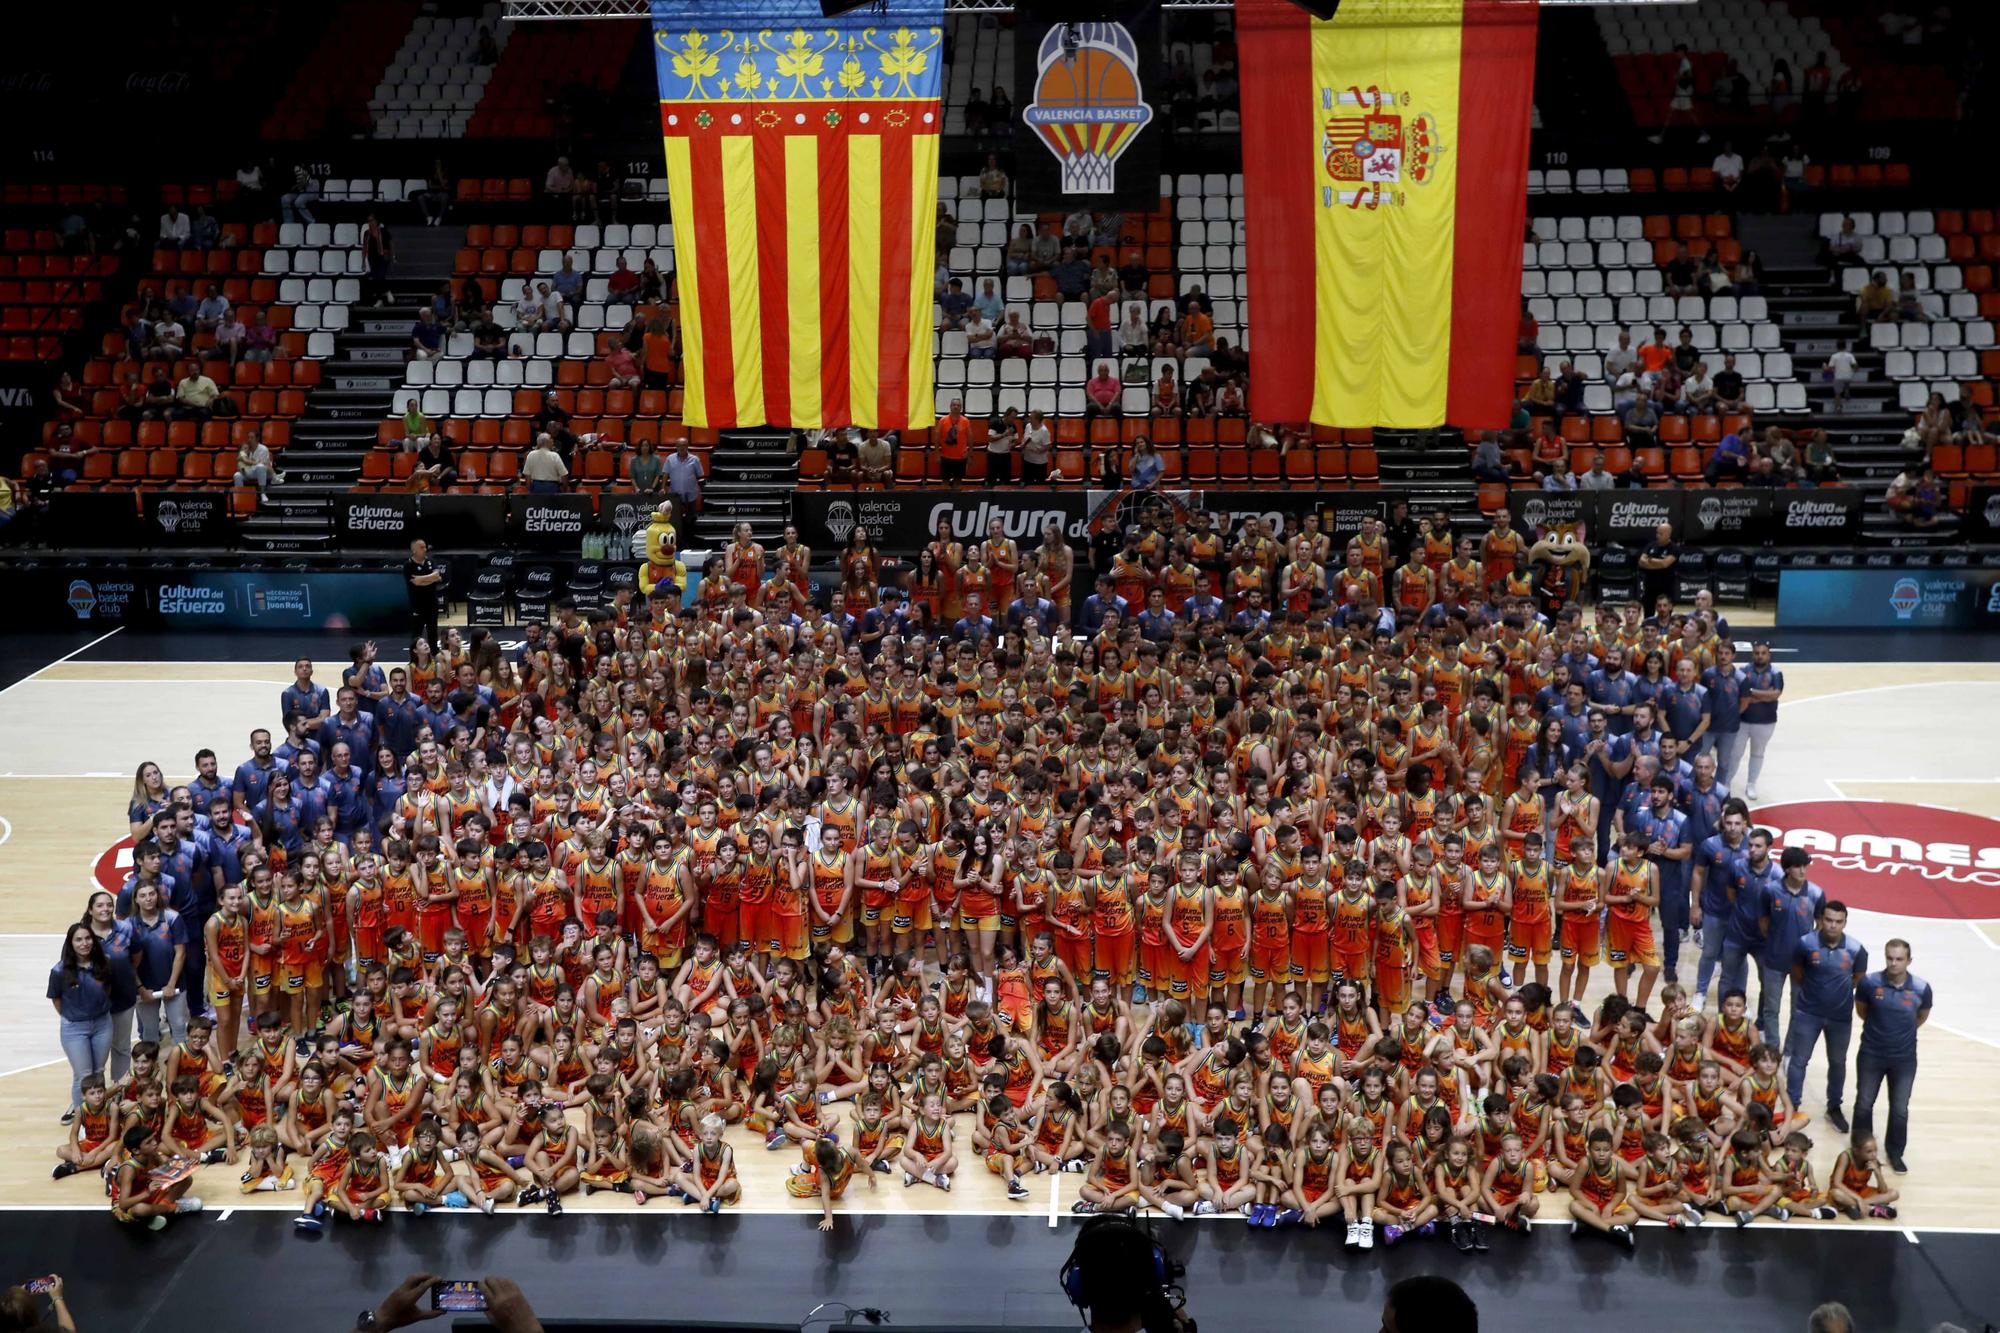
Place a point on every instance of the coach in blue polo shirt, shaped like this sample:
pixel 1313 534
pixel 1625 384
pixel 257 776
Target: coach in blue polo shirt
pixel 1724 682
pixel 1789 912
pixel 1757 877
pixel 1684 708
pixel 1665 831
pixel 1827 965
pixel 1892 1004
pixel 1716 862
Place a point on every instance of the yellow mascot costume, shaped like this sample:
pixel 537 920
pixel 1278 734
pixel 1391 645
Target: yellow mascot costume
pixel 662 563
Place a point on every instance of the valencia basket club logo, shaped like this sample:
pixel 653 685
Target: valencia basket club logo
pixel 1373 146
pixel 1088 105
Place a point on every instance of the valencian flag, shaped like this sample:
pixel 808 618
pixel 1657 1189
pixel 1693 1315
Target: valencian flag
pixel 1385 174
pixel 802 161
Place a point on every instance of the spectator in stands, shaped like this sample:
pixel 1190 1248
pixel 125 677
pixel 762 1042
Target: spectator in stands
pixel 1569 386
pixel 1967 425
pixel 1134 338
pixel 435 197
pixel 1015 338
pixel 250 184
pixel 954 440
pixel 444 307
pixel 1046 251
pixel 1728 167
pixel 169 338
pixel 1728 384
pixel 1527 334
pixel 559 187
pixel 1820 467
pixel 1746 275
pixel 1620 358
pixel 174 228
pixel 1916 497
pixel 1003 437
pixel 1841 369
pixel 623 366
pixel 1072 275
pixel 1642 424
pixel 988 302
pixel 1910 300
pixel 875 460
pixel 568 283
pixel 195 395
pixel 1540 397
pixel 543 467
pixel 1728 461
pixel 229 336
pixel 1596 479
pixel 1167 393
pixel 622 283
pixel 528 309
pixel 472 306
pixel 1934 424
pixel 1488 463
pixel 66 399
pixel 992 180
pixel 1100 339
pixel 1680 103
pixel 1230 398
pixel 132 397
pixel 1198 399
pixel 1194 335
pixel 652 283
pixel 1229 359
pixel 1037 448
pixel 426 337
pixel 261 342
pixel 295 205
pixel 979 336
pixel 378 251
pixel 554 418
pixel 12 506
pixel 1559 477
pixel 1102 393
pixel 1104 281
pixel 947 228
pixel 840 454
pixel 415 427
pixel 1020 253
pixel 1780 90
pixel 1147 465
pixel 1845 245
pixel 955 302
pixel 489 341
pixel 1686 354
pixel 1076 229
pixel 1698 391
pixel 253 466
pixel 589 187
pixel 643 469
pixel 1000 106
pixel 204 232
pixel 1548 446
pixel 661 354
pixel 159 401
pixel 557 316
pixel 1876 303
pixel 1779 455
pixel 1654 356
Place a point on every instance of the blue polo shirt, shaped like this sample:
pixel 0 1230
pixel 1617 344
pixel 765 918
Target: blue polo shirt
pixel 1704 811
pixel 345 800
pixel 1761 678
pixel 1614 690
pixel 1671 830
pixel 396 721
pixel 1826 981
pixel 1792 915
pixel 193 874
pixel 1602 785
pixel 1723 865
pixel 204 790
pixel 309 700
pixel 288 751
pixel 1725 698
pixel 1683 710
pixel 225 849
pixel 1753 889
pixel 153 947
pixel 1890 1013
pixel 82 1002
pixel 359 735
pixel 251 779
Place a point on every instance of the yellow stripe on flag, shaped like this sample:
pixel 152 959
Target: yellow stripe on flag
pixel 864 274
pixel 1384 261
pixel 802 301
pixel 739 225
pixel 923 261
pixel 680 190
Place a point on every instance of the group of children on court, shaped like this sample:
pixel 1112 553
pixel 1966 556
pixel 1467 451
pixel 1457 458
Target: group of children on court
pixel 1216 924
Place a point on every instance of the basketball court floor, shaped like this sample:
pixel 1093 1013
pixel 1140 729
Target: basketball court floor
pixel 1886 764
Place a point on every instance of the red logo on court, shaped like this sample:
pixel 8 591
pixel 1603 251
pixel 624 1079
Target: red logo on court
pixel 113 866
pixel 1884 856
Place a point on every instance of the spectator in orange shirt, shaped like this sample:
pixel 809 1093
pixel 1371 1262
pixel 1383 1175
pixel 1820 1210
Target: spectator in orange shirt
pixel 1654 354
pixel 1196 332
pixel 660 355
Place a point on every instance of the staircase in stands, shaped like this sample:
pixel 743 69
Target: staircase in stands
pixel 1815 318
pixel 359 381
pixel 750 479
pixel 1433 470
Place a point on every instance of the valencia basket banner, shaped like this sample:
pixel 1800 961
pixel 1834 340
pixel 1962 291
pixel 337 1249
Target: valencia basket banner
pixel 1086 80
pixel 802 162
pixel 1385 162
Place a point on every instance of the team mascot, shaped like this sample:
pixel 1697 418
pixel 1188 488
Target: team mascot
pixel 662 563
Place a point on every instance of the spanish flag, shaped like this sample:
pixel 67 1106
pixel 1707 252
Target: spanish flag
pixel 1385 175
pixel 802 161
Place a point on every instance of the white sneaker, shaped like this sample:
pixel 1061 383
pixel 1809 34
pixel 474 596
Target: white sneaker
pixel 1206 1208
pixel 1750 793
pixel 188 1204
pixel 1367 1235
pixel 943 1181
pixel 1174 1211
pixel 1353 1233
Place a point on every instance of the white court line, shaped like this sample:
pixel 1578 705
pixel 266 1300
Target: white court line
pixel 26 1069
pixel 6 829
pixel 59 661
pixel 1878 689
pixel 1940 782
pixel 1969 1036
pixel 104 773
pixel 225 1215
pixel 1984 938
pixel 155 680
pixel 1910 1235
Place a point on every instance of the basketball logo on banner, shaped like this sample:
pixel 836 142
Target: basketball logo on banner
pixel 1371 145
pixel 1089 105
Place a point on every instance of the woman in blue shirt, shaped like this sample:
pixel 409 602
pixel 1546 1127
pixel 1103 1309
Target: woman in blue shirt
pixel 159 955
pixel 149 797
pixel 384 786
pixel 80 990
pixel 280 817
pixel 114 942
pixel 1548 759
pixel 1653 679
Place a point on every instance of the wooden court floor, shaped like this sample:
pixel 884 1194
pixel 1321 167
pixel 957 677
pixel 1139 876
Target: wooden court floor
pixel 71 735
